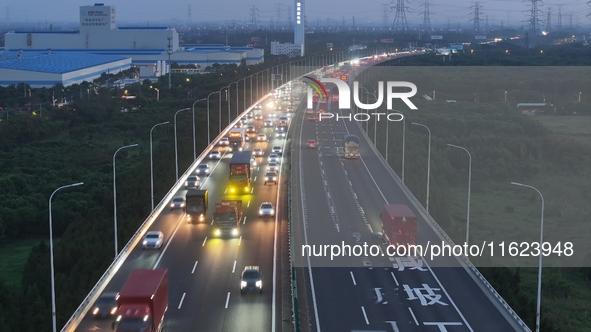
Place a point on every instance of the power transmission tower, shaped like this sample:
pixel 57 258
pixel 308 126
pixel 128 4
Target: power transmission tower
pixel 549 20
pixel 254 16
pixel 385 15
pixel 534 21
pixel 476 19
pixel 272 26
pixel 448 25
pixel 426 16
pixel 400 23
pixel 559 20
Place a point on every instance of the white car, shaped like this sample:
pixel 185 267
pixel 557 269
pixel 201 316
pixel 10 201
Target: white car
pixel 272 167
pixel 202 169
pixel 261 137
pixel 277 149
pixel 224 141
pixel 153 240
pixel 267 209
pixel 249 115
pixel 274 158
pixel 271 177
pixel 193 181
pixel 257 152
pixel 280 134
pixel 215 154
pixel 268 123
pixel 178 202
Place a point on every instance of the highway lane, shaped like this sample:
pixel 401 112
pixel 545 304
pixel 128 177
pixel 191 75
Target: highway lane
pixel 428 304
pixel 204 271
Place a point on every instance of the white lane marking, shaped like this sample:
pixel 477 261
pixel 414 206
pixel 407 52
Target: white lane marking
pixel 181 219
pixel 365 315
pixel 393 325
pixel 244 221
pixel 227 300
pixel 204 240
pixel 234 267
pixel 395 280
pixel 353 278
pixel 255 178
pixel 248 204
pixel 240 240
pixel 194 267
pixel 182 299
pixel 412 314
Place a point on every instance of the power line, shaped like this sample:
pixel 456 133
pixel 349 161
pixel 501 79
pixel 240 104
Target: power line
pixel 534 21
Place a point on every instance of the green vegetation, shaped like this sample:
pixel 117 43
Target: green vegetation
pixel 577 127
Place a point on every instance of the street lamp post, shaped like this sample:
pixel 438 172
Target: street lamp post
pixel 540 259
pixel 469 180
pixel 220 108
pixel 115 195
pixel 403 145
pixel 152 164
pixel 176 156
pixel 194 139
pixel 208 136
pixel 53 316
pixel 428 163
pixel 169 52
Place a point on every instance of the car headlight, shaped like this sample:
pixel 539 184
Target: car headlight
pixel 260 212
pixel 145 242
pixel 182 204
pixel 234 231
pixel 232 190
pixel 95 311
pixel 274 178
pixel 217 232
pixel 242 284
pixel 272 211
pixel 113 310
pixel 186 183
pixel 245 188
pixel 171 205
pixel 259 284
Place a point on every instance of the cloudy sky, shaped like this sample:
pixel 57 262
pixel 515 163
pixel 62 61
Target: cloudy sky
pixel 511 12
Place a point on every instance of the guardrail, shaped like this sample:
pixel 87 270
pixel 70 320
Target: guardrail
pixel 465 262
pixel 99 287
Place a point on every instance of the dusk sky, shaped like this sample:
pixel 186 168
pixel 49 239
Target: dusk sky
pixel 512 12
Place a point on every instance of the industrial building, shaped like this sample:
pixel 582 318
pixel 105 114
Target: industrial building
pixel 151 47
pixel 45 69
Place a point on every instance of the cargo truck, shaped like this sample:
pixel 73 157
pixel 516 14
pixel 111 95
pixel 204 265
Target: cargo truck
pixel 240 172
pixel 196 205
pixel 351 147
pixel 142 301
pixel 236 136
pixel 226 217
pixel 399 225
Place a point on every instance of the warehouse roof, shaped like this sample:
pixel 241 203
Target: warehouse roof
pixel 53 62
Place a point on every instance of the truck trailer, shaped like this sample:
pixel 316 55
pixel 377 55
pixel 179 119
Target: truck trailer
pixel 142 301
pixel 196 205
pixel 351 147
pixel 226 217
pixel 237 137
pixel 399 225
pixel 240 172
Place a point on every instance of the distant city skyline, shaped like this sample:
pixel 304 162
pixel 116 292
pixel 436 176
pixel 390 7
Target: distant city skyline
pixel 495 13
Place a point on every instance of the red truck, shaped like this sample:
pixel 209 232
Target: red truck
pixel 227 217
pixel 399 225
pixel 142 301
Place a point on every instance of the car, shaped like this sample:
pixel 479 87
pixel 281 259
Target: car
pixel 178 202
pixel 320 110
pixel 271 177
pixel 202 169
pixel 224 141
pixel 261 137
pixel 311 143
pixel 312 118
pixel 278 107
pixel 105 306
pixel 215 154
pixel 258 107
pixel 290 109
pixel 244 120
pixel 250 129
pixel 253 161
pixel 274 158
pixel 272 167
pixel 193 181
pixel 249 115
pixel 267 209
pixel 272 115
pixel 268 123
pixel 153 240
pixel 277 149
pixel 309 111
pixel 258 116
pixel 257 152
pixel 238 125
pixel 280 134
pixel 251 279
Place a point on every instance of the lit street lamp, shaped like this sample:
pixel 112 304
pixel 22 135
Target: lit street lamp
pixel 53 316
pixel 469 180
pixel 176 156
pixel 115 195
pixel 428 163
pixel 152 164
pixel 540 260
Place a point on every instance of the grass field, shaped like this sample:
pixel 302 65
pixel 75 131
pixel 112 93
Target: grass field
pixel 578 127
pixel 13 258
